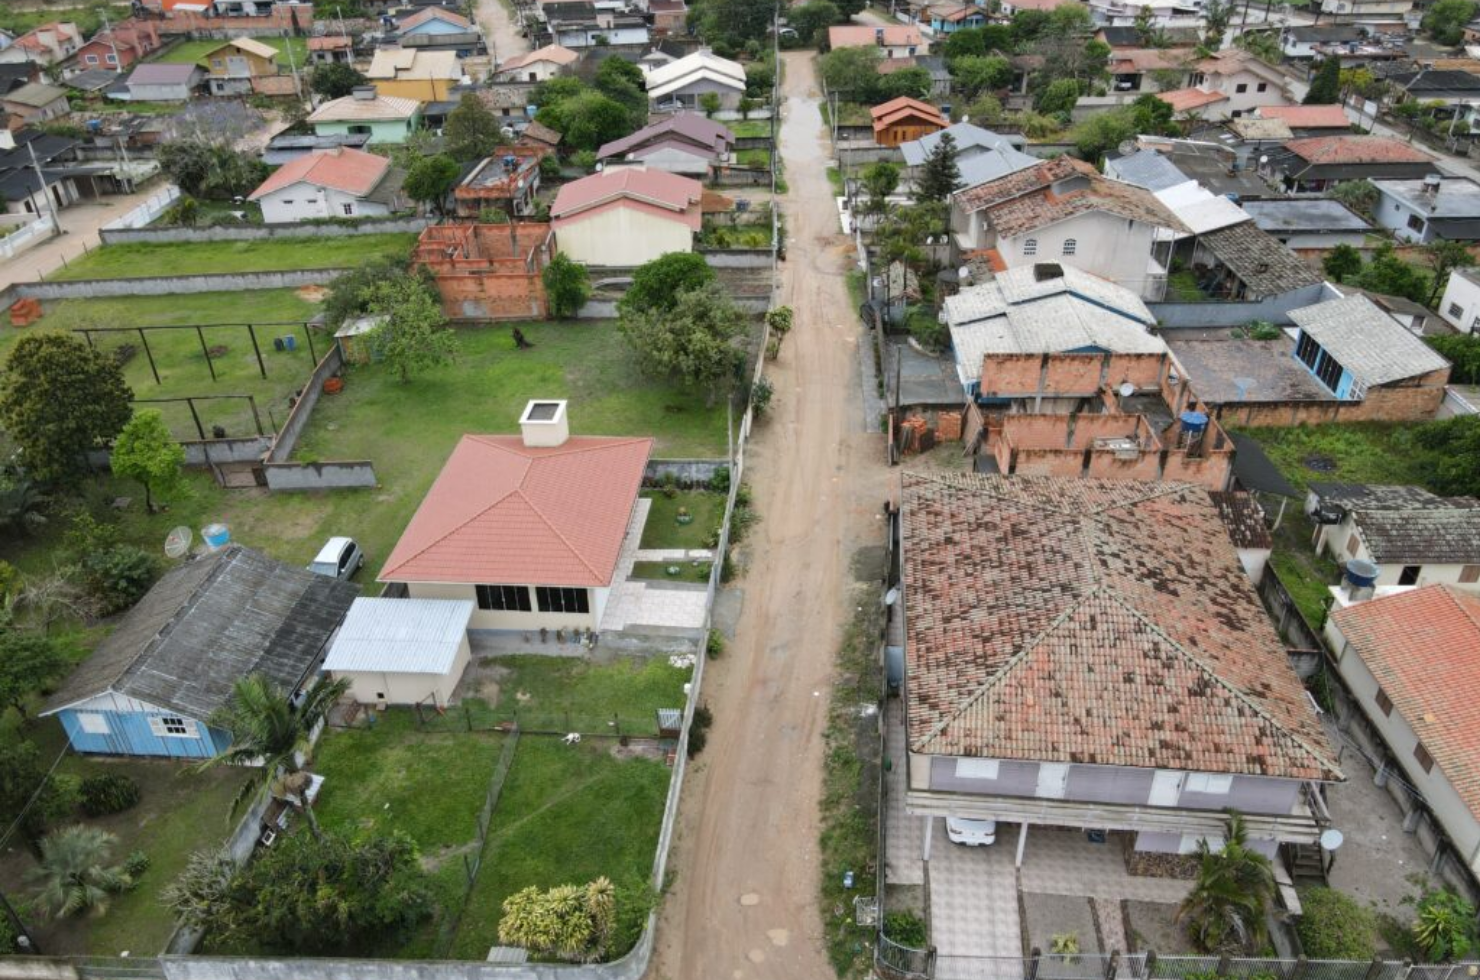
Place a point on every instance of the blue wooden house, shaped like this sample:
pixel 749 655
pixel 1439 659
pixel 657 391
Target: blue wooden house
pixel 152 687
pixel 1352 346
pixel 432 22
pixel 948 19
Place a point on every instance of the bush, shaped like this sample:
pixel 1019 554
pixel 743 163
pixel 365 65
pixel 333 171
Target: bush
pixel 1444 927
pixel 906 929
pixel 699 729
pixel 720 481
pixel 760 394
pixel 550 166
pixel 714 646
pixel 585 159
pixel 107 793
pixel 927 330
pixel 135 865
pixel 116 577
pixel 1335 927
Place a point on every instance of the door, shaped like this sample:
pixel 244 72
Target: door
pixel 1166 788
pixel 237 67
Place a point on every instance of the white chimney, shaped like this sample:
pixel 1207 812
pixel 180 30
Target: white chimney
pixel 544 425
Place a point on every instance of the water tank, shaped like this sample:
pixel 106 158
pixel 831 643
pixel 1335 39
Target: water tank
pixel 1194 423
pixel 217 536
pixel 1361 574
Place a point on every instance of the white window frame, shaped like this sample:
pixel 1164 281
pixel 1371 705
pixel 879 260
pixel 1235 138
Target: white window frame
pixel 93 723
pixel 1209 783
pixel 162 725
pixel 1071 246
pixel 1030 246
pixel 977 768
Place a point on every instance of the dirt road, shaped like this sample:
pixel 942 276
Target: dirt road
pixel 744 904
pixel 81 223
pixel 500 31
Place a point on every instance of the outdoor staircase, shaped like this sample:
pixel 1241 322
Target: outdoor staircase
pixel 1307 863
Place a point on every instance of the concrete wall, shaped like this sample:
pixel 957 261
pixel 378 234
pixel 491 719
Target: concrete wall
pixel 688 472
pixel 169 285
pixel 207 452
pixel 367 686
pixel 287 437
pixel 736 258
pixel 333 475
pixel 1275 309
pixel 246 233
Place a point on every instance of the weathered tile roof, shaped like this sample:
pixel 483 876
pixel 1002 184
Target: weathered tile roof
pixel 1306 116
pixel 1447 536
pixel 1262 264
pixel 1369 343
pixel 1323 150
pixel 1100 622
pixel 1373 496
pixel 1243 518
pixel 1423 649
pixel 1026 199
pixel 1187 99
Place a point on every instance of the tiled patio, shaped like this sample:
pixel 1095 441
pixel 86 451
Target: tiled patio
pixel 1064 862
pixel 634 604
pixel 904 835
pixel 973 910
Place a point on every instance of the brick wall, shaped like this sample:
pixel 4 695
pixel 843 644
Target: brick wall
pixel 1005 375
pixel 487 272
pixel 284 18
pixel 1418 402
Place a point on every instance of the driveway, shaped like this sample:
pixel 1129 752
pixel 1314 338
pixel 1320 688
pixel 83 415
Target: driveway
pixel 974 908
pixel 80 224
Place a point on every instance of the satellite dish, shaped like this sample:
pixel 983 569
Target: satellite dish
pixel 1127 389
pixel 892 596
pixel 1127 147
pixel 177 542
pixel 1332 839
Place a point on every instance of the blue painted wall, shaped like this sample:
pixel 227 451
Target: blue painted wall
pixel 435 27
pixel 129 734
pixel 1343 383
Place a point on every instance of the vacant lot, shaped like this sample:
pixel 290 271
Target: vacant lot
pixel 200 258
pixel 182 365
pixel 180 810
pixel 190 52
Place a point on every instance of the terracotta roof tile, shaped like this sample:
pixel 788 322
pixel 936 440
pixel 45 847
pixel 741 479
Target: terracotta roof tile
pixel 1186 99
pixel 1100 622
pixel 1355 149
pixel 855 36
pixel 1306 116
pixel 345 169
pixel 1243 517
pixel 1025 200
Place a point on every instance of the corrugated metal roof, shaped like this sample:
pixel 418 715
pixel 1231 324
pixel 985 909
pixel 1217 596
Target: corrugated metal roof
pixel 1148 169
pixel 400 636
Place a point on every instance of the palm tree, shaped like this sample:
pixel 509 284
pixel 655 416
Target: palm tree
pixel 1226 909
pixel 269 733
pixel 74 871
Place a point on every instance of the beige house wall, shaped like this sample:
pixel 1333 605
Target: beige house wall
pixel 488 619
pixel 1333 539
pixel 366 687
pixel 621 236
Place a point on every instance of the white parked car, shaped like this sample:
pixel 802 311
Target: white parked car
pixel 972 833
pixel 338 558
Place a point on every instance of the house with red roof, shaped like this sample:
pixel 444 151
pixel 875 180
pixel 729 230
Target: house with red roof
pixel 1308 120
pixel 1230 84
pixel 119 48
pixel 535 528
pixel 44 44
pixel 1317 163
pixel 1410 661
pixel 894 40
pixel 627 216
pixel 337 183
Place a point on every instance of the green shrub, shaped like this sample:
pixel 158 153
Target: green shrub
pixel 906 929
pixel 135 865
pixel 107 793
pixel 699 729
pixel 116 577
pixel 760 395
pixel 720 481
pixel 1334 927
pixel 714 646
pixel 927 329
pixel 1444 926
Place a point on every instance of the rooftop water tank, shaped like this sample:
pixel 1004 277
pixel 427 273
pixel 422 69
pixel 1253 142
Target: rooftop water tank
pixel 1361 574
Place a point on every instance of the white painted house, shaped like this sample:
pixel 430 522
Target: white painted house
pixel 685 81
pixel 1414 537
pixel 337 183
pixel 402 651
pixel 1429 209
pixel 1460 306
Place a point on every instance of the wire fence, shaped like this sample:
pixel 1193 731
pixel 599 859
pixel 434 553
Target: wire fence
pixel 901 961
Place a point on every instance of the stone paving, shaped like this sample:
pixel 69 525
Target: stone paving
pixel 675 554
pixel 1064 862
pixel 904 835
pixel 633 604
pixel 973 898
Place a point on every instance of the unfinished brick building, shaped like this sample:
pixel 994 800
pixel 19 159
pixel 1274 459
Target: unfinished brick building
pixel 487 272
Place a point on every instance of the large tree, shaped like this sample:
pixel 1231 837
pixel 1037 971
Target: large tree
pixel 1325 88
pixel 694 342
pixel 472 131
pixel 656 284
pixel 269 734
pixel 973 75
pixel 623 83
pixel 74 872
pixel 812 19
pixel 940 176
pixel 587 120
pixel 1454 452
pixel 414 335
pixel 28 663
pixel 1444 258
pixel 879 181
pixel 1225 911
pixel 336 79
pixel 60 398
pixel 146 453
pixel 1445 21
pixel 212 169
pixel 851 72
pixel 430 180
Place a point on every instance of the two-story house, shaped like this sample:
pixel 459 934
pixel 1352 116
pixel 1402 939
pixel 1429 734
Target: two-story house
pixel 119 48
pixel 894 40
pixel 1437 207
pixel 1460 306
pixel 1414 537
pixel 232 67
pixel 1083 653
pixel 1228 85
pixel 45 44
pixel 1063 210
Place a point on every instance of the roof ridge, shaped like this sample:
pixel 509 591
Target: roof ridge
pixel 1221 681
pixel 557 532
pixel 471 518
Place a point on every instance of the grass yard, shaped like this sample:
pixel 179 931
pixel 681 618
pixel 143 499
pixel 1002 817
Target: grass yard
pixel 190 52
pixel 750 128
pixel 19 18
pixel 688 571
pixel 267 255
pixel 409 429
pixel 569 694
pixel 567 815
pixel 179 811
pixel 182 365
pixel 662 529
pixel 756 159
pixel 1182 288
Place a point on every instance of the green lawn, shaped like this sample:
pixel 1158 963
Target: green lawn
pixel 87 17
pixel 182 365
pixel 750 128
pixel 190 52
pixel 662 529
pixel 568 814
pixel 179 811
pixel 688 571
pixel 568 694
pixel 199 258
pixel 756 159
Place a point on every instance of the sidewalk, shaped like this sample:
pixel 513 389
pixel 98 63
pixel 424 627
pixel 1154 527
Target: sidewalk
pixel 80 224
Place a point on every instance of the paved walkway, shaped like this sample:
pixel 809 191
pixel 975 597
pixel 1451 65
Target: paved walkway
pixel 633 604
pixel 904 835
pixel 80 224
pixel 974 909
pixel 675 554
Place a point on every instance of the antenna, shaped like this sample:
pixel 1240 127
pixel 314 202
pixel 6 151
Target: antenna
pixel 177 542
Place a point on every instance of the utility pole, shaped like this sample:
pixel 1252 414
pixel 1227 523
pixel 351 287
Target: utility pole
pixel 128 183
pixel 51 204
pixel 293 67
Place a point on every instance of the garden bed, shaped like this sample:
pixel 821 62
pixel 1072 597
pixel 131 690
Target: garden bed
pixel 693 572
pixel 663 531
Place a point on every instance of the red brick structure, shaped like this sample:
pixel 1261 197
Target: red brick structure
pixel 290 18
pixel 487 272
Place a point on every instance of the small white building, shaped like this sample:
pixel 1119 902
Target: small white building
pixel 1414 537
pixel 337 183
pixel 1460 306
pixel 539 65
pixel 686 81
pixel 1429 209
pixel 402 651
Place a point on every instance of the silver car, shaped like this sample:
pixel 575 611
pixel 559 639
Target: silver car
pixel 338 558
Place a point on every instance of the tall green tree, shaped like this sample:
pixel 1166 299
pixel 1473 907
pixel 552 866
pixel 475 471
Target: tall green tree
pixel 978 42
pixel 472 131
pixel 146 453
pixel 414 336
pixel 1325 88
pixel 74 873
pixel 1445 21
pixel 812 19
pixel 59 398
pixel 623 83
pixel 1388 274
pixel 587 120
pixel 913 82
pixel 1225 911
pixel 567 285
pixel 1070 20
pixel 1342 262
pixel 268 734
pixel 336 80
pixel 430 180
pixel 1444 258
pixel 29 662
pixel 656 284
pixel 695 342
pixel 1453 447
pixel 973 75
pixel 851 72
pixel 25 787
pixel 1059 97
pixel 880 179
pixel 940 175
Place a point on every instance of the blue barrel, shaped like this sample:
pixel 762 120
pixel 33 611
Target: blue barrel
pixel 217 536
pixel 1362 574
pixel 290 342
pixel 1194 423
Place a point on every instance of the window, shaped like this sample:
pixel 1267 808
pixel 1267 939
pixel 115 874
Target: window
pixel 1415 223
pixel 217 64
pixel 349 209
pixel 91 59
pixel 1455 310
pixel 1409 575
pixel 1202 782
pixel 976 768
pixel 1070 245
pixel 1307 350
pixel 1030 247
pixel 1241 87
pixel 1425 761
pixel 1330 371
pixel 92 723
pixel 172 726
pixel 1384 703
pixel 288 201
pixel 112 59
pixel 554 599
pixel 1475 325
pixel 1263 86
pixel 1236 113
pixel 1469 574
pixel 507 598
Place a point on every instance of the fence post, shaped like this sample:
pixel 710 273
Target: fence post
pixel 1299 969
pixel 1374 970
pixel 1224 963
pixel 1150 969
pixel 1033 955
pixel 1112 964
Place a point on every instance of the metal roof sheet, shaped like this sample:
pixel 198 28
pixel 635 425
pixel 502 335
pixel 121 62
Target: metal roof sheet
pixel 400 636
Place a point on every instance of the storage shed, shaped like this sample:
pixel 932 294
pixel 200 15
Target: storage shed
pixel 402 651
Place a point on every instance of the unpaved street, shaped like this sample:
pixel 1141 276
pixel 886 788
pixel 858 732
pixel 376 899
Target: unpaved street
pixel 744 904
pixel 500 31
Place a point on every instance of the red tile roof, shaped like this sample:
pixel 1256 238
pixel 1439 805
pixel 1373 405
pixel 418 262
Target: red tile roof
pixel 503 513
pixel 1099 622
pixel 328 43
pixel 855 36
pixel 1423 648
pixel 904 107
pixel 1025 200
pixel 1355 149
pixel 344 169
pixel 434 13
pixel 1186 99
pixel 657 190
pixel 1306 116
